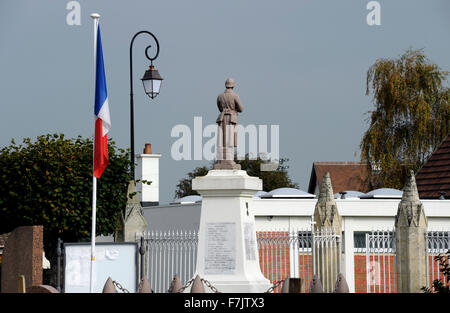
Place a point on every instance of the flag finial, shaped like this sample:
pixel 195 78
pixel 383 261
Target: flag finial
pixel 95 15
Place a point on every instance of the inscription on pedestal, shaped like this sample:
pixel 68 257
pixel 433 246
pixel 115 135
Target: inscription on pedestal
pixel 220 257
pixel 250 244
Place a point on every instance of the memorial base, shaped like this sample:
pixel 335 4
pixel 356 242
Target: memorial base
pixel 227 249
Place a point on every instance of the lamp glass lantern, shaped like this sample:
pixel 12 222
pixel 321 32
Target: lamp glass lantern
pixel 152 82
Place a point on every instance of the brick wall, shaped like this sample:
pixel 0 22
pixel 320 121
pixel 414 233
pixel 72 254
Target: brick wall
pixel 381 267
pixel 274 259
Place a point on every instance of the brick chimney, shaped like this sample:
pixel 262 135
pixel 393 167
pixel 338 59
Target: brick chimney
pixel 148 169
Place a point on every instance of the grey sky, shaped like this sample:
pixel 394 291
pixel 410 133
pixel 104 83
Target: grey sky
pixel 298 64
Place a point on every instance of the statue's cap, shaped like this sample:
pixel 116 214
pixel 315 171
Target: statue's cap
pixel 229 82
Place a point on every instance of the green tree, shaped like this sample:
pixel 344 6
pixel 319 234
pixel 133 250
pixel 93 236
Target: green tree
pixel 410 119
pixel 49 182
pixel 271 179
pixel 438 285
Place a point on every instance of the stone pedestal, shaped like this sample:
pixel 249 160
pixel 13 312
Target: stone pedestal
pixel 227 249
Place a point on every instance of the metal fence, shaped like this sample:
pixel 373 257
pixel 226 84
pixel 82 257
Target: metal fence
pixel 438 243
pixel 282 253
pixel 381 259
pixel 298 253
pixel 168 253
pixel 286 253
pixel 381 262
pixel 327 253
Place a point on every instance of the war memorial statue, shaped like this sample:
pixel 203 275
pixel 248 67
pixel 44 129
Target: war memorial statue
pixel 229 104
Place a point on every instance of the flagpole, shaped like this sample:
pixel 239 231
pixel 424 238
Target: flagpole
pixel 95 18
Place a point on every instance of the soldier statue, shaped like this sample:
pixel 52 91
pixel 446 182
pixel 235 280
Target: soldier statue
pixel 229 105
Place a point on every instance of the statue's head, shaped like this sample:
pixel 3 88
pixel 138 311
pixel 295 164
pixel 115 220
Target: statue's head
pixel 229 83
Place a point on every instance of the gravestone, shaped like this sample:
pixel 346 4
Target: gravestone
pixel 23 256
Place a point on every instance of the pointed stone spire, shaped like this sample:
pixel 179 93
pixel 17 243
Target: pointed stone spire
pixel 175 285
pixel 109 286
pixel 328 222
pixel 410 209
pixel 144 286
pixel 315 285
pixel 197 286
pixel 132 195
pixel 410 228
pixel 341 285
pixel 133 221
pixel 410 192
pixel 326 212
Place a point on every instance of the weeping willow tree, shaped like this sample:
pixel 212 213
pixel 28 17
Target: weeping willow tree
pixel 410 119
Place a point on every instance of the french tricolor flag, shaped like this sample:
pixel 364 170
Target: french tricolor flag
pixel 102 118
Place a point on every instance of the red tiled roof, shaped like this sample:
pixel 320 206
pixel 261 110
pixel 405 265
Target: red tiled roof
pixel 434 176
pixel 344 176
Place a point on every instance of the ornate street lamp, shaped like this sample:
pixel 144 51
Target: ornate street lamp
pixel 152 84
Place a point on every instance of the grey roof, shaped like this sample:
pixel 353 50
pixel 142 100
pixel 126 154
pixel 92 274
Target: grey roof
pixel 350 194
pixel 382 193
pixel 187 200
pixel 287 193
pixel 259 194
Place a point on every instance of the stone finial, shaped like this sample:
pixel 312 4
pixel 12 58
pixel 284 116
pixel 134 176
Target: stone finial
pixel 341 285
pixel 109 286
pixel 410 209
pixel 132 195
pixel 144 286
pixel 175 285
pixel 316 285
pixel 133 220
pixel 197 286
pixel 285 286
pixel 326 189
pixel 326 212
pixel 410 192
pixel 292 285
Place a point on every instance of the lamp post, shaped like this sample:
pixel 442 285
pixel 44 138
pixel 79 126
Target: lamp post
pixel 152 84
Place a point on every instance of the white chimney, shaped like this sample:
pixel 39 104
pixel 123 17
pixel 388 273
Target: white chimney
pixel 148 169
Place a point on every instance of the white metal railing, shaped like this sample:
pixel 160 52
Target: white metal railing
pixel 381 274
pixel 286 253
pixel 282 253
pixel 438 243
pixel 327 256
pixel 168 253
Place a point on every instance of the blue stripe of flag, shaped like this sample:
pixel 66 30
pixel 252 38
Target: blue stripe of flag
pixel 100 79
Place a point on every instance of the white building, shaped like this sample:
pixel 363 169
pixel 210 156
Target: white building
pixel 288 208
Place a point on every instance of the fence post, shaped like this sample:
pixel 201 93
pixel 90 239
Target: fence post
pixel 142 253
pixel 58 265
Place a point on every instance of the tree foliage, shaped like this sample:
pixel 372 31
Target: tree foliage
pixel 410 119
pixel 49 182
pixel 438 285
pixel 271 179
